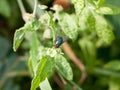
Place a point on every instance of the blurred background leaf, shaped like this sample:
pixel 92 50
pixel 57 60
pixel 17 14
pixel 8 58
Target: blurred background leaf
pixel 5 9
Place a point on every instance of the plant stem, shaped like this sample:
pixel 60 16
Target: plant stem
pixel 58 81
pixel 22 9
pixel 35 8
pixel 64 82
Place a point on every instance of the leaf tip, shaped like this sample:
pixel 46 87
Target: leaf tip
pixel 14 49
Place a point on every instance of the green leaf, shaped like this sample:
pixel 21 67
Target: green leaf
pixel 82 20
pixel 32 25
pixel 91 3
pixel 44 69
pixel 87 46
pixel 30 66
pixel 78 5
pixel 20 33
pixel 63 67
pixel 108 9
pixel 35 25
pixel 45 85
pixel 91 21
pixel 68 25
pixel 34 46
pixel 103 29
pixel 52 26
pixel 42 51
pixel 5 8
pixel 51 52
pixel 107 72
pixel 114 84
pixel 87 20
pixel 18 38
pixel 100 2
pixel 114 65
pixel 43 6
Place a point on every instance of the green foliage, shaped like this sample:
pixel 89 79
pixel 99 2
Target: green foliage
pixel 100 2
pixel 78 5
pixel 11 69
pixel 5 9
pixel 113 65
pixel 88 50
pixel 45 85
pixel 108 9
pixel 87 26
pixel 44 68
pixel 4 47
pixel 91 21
pixel 34 46
pixel 114 84
pixel 103 29
pixel 63 67
pixel 68 25
pixel 19 35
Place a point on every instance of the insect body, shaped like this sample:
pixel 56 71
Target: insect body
pixel 59 41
